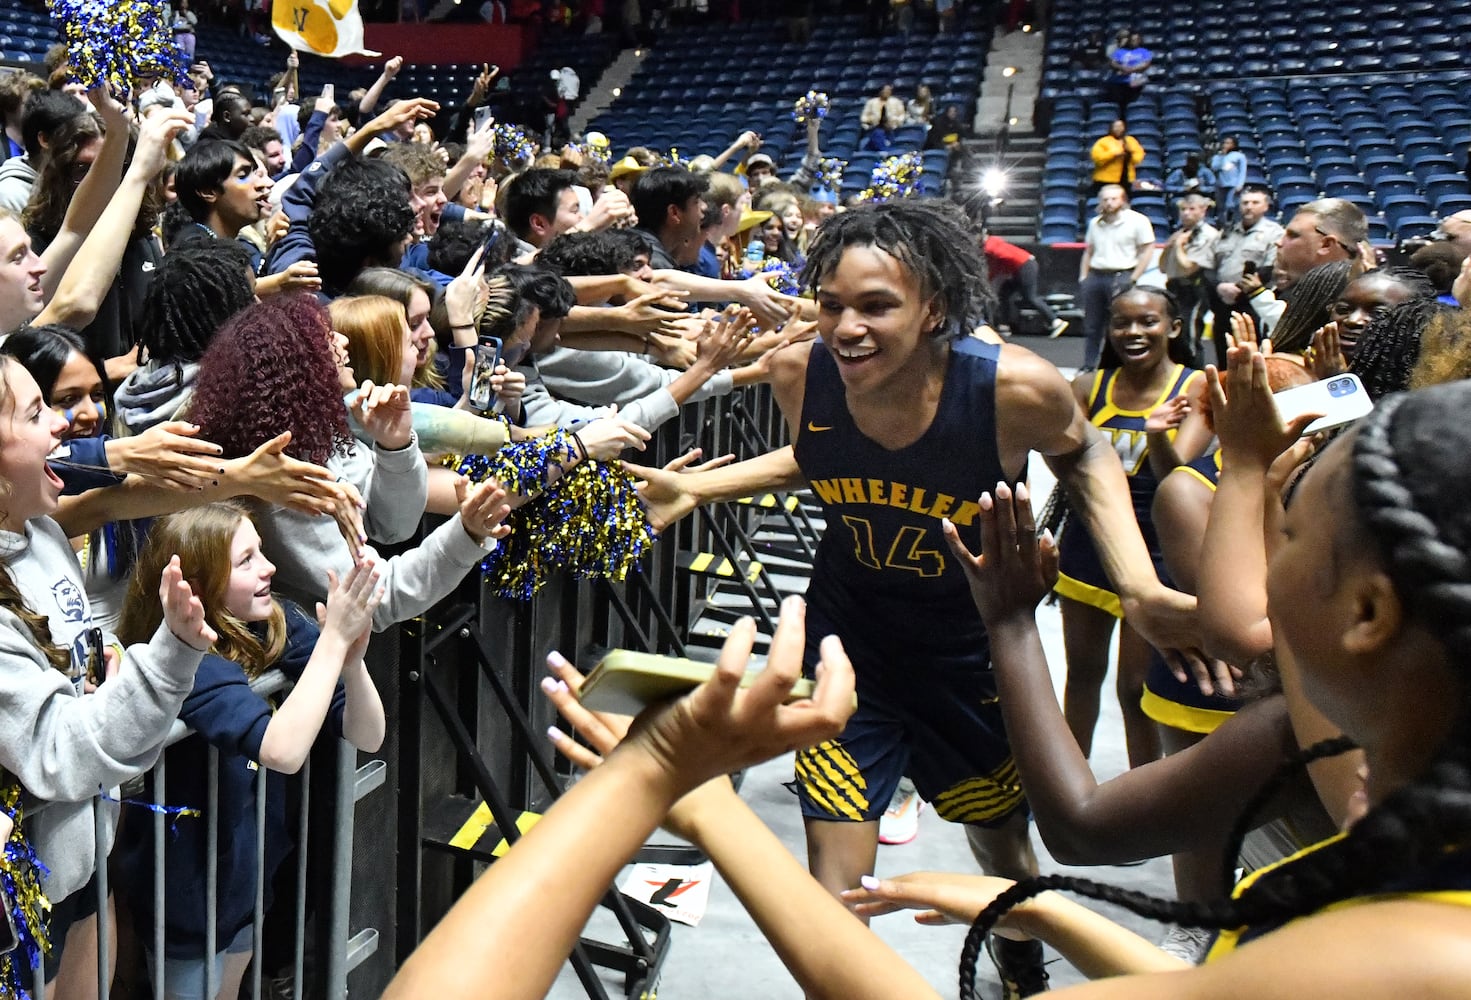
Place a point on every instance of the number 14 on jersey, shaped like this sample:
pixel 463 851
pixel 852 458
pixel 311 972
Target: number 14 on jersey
pixel 906 550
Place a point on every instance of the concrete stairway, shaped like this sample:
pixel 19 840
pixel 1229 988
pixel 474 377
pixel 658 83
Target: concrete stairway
pixel 1015 218
pixel 606 89
pixel 1014 69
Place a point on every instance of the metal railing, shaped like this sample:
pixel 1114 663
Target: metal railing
pixel 459 687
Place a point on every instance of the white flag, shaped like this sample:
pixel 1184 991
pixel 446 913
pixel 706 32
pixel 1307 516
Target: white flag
pixel 330 28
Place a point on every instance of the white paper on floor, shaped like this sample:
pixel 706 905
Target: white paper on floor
pixel 681 891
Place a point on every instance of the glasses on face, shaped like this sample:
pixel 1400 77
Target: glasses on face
pixel 1351 251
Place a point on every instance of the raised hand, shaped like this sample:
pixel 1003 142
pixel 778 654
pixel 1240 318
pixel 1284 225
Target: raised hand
pixel 1325 358
pixel 483 509
pixel 402 113
pixel 351 601
pixel 1247 423
pixel 723 338
pixel 1016 568
pixel 1168 415
pixel 182 612
pixel 384 412
pixel 464 296
pixel 720 727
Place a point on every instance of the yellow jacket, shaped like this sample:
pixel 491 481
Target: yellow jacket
pixel 1111 165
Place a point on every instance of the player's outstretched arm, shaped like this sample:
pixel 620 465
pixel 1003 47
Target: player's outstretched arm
pixel 1037 411
pixel 671 495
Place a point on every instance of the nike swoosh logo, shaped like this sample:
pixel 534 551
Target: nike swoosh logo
pixel 815 429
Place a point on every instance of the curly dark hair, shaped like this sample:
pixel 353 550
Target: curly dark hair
pixel 361 218
pixel 1408 480
pixel 268 371
pixel 197 287
pixel 928 237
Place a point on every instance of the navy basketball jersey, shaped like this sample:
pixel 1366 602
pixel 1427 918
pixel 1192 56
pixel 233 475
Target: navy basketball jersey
pixel 884 574
pixel 1447 881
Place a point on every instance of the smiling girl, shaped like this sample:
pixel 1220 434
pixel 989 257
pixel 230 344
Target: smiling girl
pixel 61 746
pixel 220 556
pixel 1139 398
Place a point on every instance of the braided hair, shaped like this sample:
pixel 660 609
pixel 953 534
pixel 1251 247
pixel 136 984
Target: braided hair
pixel 927 236
pixel 1387 354
pixel 1312 298
pixel 199 285
pixel 1419 526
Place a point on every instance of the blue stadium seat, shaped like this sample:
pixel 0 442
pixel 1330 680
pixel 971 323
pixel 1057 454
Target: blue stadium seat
pixel 1414 226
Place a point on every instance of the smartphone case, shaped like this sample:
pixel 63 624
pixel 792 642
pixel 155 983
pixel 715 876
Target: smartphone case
pixel 1341 399
pixel 627 682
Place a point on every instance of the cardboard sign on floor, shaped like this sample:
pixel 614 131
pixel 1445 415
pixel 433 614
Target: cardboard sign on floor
pixel 681 891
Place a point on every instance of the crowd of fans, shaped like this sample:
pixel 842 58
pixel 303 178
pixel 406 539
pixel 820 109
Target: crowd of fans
pixel 242 329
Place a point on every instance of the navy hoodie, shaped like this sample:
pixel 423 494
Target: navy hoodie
pixel 224 713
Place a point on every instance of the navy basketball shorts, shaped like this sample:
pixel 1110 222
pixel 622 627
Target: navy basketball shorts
pixel 939 725
pixel 1179 704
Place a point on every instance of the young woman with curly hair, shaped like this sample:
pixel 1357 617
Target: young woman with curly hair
pixel 278 367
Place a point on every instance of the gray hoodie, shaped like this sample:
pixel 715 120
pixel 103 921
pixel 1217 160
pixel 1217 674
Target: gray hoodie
pixel 65 747
pixel 395 485
pixel 17 178
pixel 154 394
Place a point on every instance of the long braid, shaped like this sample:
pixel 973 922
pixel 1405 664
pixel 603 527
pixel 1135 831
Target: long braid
pixel 1290 768
pixel 1411 828
pixel 13 601
pixel 1307 310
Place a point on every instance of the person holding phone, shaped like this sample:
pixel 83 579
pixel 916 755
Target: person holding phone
pixel 1251 238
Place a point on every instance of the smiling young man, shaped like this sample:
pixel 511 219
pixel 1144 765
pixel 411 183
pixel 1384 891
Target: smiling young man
pixel 902 419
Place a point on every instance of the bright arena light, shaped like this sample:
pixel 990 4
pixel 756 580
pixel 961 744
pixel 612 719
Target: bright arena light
pixel 993 182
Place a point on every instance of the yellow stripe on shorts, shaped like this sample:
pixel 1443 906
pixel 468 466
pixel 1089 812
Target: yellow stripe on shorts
pixel 831 779
pixel 984 799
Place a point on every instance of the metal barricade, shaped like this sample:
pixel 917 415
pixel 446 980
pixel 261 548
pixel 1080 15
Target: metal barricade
pixel 459 688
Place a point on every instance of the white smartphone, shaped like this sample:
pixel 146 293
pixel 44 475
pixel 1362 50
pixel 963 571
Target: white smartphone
pixel 1340 399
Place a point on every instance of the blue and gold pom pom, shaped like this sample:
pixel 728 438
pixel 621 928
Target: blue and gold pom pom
pixel 813 104
pixel 118 45
pixel 894 177
pixel 513 145
pixel 587 520
pixel 20 885
pixel 780 275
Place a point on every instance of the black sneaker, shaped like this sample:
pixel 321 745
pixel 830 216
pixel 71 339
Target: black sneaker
pixel 1019 963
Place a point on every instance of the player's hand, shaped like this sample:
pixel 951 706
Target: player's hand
pixel 667 496
pixel 685 463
